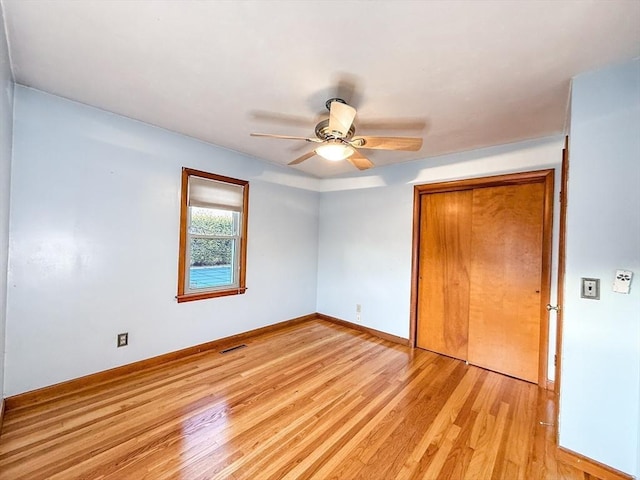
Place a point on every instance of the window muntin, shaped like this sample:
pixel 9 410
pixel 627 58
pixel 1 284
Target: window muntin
pixel 212 236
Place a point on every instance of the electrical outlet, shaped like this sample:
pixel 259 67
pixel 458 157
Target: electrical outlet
pixel 123 339
pixel 358 308
pixel 590 288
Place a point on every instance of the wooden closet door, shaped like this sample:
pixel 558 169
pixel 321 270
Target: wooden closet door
pixel 443 283
pixel 506 279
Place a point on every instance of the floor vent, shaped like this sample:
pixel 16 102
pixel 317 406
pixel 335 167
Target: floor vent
pixel 237 347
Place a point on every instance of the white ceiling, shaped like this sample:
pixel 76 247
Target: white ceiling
pixel 460 74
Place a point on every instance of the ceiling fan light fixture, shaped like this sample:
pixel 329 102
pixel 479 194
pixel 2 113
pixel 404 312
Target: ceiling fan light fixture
pixel 335 151
pixel 335 140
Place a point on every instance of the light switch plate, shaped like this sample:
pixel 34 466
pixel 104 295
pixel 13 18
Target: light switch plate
pixel 590 288
pixel 622 281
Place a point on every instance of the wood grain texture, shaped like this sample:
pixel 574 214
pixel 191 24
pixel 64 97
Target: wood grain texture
pixel 74 386
pixel 562 265
pixel 517 178
pixel 443 283
pixel 506 279
pixel 311 400
pixel 363 328
pixel 543 177
pixel 415 265
pixel 591 466
pixel 545 282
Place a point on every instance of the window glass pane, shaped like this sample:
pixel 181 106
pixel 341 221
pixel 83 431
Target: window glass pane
pixel 211 262
pixel 210 221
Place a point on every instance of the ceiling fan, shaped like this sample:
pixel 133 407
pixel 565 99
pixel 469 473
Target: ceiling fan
pixel 336 140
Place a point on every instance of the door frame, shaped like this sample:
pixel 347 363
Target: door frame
pixel 562 234
pixel 545 177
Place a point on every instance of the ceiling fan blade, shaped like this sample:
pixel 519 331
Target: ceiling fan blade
pixel 388 143
pixel 341 117
pixel 360 161
pixel 285 137
pixel 302 158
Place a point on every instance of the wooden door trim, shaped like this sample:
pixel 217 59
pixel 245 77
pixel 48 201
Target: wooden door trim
pixel 561 261
pixel 537 176
pixel 415 262
pixel 562 234
pixel 547 243
pixel 494 181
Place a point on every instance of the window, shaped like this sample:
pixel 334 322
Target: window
pixel 213 236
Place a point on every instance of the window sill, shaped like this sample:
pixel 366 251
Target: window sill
pixel 202 296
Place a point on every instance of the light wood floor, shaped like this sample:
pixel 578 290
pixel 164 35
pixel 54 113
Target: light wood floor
pixel 314 400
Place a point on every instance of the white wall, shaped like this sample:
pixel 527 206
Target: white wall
pixel 366 230
pixel 94 243
pixel 601 339
pixel 6 133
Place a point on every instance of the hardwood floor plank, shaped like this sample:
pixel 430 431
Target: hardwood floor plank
pixel 490 452
pixel 457 462
pixel 347 383
pixel 384 443
pixel 391 457
pixel 298 370
pixel 445 417
pixel 361 433
pixel 442 452
pixel 313 400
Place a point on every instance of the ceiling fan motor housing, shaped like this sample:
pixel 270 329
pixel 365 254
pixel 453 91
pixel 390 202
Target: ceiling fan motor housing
pixel 324 133
pixel 331 100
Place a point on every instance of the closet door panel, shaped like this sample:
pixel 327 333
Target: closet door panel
pixel 506 279
pixel 443 283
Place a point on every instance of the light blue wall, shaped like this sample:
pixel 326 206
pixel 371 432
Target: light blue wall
pixel 601 339
pixel 94 243
pixel 366 226
pixel 6 133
